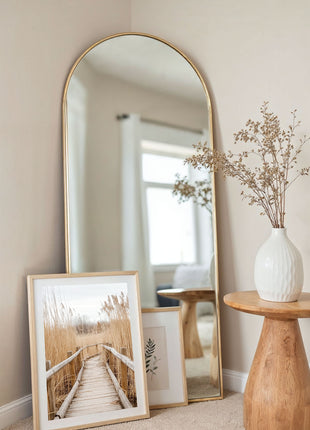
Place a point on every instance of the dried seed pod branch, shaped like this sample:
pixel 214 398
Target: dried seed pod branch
pixel 265 184
pixel 200 192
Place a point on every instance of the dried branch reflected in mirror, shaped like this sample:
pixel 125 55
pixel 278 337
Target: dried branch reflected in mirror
pixel 134 106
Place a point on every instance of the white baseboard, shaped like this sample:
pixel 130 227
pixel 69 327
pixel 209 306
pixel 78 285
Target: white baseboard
pixel 234 381
pixel 15 411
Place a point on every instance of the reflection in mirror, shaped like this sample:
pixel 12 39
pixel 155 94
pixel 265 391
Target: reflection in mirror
pixel 133 108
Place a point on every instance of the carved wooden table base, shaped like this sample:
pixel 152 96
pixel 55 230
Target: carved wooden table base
pixel 277 394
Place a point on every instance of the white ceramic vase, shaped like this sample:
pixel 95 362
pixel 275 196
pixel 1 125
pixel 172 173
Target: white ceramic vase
pixel 278 271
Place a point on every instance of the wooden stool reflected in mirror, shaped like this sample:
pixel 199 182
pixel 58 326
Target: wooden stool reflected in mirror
pixel 192 344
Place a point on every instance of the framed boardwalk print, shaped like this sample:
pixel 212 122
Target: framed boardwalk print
pixel 87 357
pixel 164 357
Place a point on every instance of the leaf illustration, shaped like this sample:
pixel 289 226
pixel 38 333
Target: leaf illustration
pixel 150 359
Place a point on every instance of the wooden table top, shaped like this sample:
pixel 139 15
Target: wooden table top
pixel 189 294
pixel 250 302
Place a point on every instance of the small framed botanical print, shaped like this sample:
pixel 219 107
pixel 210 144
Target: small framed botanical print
pixel 87 357
pixel 164 357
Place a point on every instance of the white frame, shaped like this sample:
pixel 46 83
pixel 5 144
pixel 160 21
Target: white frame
pixel 37 349
pixel 170 318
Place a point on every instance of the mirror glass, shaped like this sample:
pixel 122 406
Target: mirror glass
pixel 133 107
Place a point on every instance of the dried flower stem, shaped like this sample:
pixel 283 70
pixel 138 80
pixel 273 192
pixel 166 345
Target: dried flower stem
pixel 267 183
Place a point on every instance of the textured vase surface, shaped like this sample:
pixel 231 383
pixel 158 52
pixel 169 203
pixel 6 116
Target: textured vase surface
pixel 278 271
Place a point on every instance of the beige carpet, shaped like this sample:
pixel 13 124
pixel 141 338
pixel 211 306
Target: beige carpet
pixel 223 414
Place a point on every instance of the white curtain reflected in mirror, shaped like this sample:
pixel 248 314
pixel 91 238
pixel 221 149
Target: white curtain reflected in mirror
pixel 76 118
pixel 133 107
pixel 135 237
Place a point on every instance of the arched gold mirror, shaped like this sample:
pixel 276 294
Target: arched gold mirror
pixel 133 107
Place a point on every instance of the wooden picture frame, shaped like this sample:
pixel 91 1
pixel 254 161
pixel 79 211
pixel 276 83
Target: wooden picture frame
pixel 164 355
pixel 87 357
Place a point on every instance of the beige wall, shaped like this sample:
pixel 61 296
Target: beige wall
pixel 39 42
pixel 247 51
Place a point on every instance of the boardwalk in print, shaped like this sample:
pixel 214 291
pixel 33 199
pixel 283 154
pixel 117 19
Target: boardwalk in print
pixel 99 383
pixel 96 392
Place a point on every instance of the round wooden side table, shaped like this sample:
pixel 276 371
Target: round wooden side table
pixel 277 394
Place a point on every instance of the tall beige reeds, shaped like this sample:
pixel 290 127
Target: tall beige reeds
pixel 60 339
pixel 117 332
pixel 116 325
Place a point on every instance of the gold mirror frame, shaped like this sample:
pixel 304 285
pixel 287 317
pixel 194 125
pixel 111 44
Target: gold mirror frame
pixel 66 186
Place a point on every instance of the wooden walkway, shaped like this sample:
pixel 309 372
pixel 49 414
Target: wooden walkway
pixel 96 392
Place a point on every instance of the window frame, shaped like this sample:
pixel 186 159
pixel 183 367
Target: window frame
pixel 167 139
